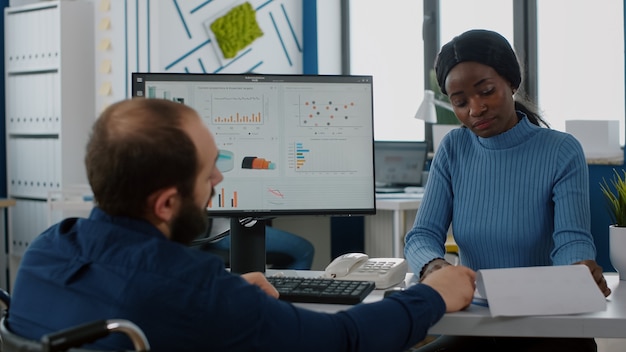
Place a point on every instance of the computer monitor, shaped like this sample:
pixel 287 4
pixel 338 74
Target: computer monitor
pixel 289 145
pixel 399 164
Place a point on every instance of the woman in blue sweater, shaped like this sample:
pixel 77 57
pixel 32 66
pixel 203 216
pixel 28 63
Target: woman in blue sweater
pixel 515 193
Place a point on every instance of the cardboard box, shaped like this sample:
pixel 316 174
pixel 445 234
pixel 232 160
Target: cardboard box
pixel 599 138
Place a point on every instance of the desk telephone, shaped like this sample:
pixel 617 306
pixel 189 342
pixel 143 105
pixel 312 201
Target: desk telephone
pixel 384 272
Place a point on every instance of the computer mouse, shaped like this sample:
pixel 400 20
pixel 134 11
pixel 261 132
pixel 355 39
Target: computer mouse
pixel 393 290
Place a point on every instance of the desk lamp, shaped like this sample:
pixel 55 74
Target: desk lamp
pixel 428 113
pixel 426 110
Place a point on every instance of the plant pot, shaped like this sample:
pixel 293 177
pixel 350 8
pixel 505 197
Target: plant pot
pixel 617 250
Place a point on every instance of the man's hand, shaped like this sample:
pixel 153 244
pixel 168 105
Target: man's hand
pixel 455 284
pixel 596 272
pixel 258 279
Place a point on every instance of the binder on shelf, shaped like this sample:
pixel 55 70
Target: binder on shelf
pixel 34 166
pixel 30 217
pixel 38 77
pixel 34 107
pixel 37 47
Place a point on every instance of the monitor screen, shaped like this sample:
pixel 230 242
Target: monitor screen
pixel 399 163
pixel 289 144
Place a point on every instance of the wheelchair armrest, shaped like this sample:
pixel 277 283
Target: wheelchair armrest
pixel 90 332
pixel 5 299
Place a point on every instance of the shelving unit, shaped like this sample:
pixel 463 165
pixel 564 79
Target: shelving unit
pixel 50 106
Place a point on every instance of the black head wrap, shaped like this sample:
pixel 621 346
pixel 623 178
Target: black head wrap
pixel 482 46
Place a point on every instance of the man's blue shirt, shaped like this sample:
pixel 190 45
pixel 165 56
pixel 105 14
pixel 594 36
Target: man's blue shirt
pixel 108 267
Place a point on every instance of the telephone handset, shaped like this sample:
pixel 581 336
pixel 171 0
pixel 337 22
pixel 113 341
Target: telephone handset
pixel 385 272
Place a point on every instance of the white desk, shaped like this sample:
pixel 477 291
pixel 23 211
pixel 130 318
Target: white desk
pixel 476 320
pixel 398 206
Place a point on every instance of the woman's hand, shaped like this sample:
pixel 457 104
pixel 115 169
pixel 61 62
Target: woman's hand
pixel 596 272
pixel 258 279
pixel 433 265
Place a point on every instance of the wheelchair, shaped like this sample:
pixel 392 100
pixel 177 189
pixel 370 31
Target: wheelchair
pixel 68 339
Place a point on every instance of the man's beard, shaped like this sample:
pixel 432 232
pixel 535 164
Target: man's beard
pixel 189 223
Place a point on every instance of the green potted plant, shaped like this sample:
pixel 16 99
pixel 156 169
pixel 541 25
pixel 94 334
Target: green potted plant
pixel 615 194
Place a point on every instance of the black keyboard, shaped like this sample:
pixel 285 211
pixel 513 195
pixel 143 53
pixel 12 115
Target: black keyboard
pixel 320 290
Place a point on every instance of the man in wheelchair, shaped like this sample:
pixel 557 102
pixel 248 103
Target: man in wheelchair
pixel 151 167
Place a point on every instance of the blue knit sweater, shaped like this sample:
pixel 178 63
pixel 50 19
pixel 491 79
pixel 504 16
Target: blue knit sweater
pixel 517 199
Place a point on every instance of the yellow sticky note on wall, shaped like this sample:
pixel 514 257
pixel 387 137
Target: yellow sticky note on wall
pixel 105 5
pixel 105 66
pixel 105 44
pixel 105 24
pixel 104 106
pixel 105 89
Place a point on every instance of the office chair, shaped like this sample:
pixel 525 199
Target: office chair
pixel 68 339
pixel 295 252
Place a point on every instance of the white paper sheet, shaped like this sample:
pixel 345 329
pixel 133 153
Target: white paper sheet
pixel 544 290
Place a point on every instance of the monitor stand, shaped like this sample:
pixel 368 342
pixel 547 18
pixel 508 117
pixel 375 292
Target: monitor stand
pixel 247 246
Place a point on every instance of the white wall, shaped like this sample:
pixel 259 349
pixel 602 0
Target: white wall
pixel 169 36
pixel 329 36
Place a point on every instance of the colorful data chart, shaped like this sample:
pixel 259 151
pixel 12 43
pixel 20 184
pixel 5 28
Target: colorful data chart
pixel 222 201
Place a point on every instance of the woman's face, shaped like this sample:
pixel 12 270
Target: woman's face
pixel 481 99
